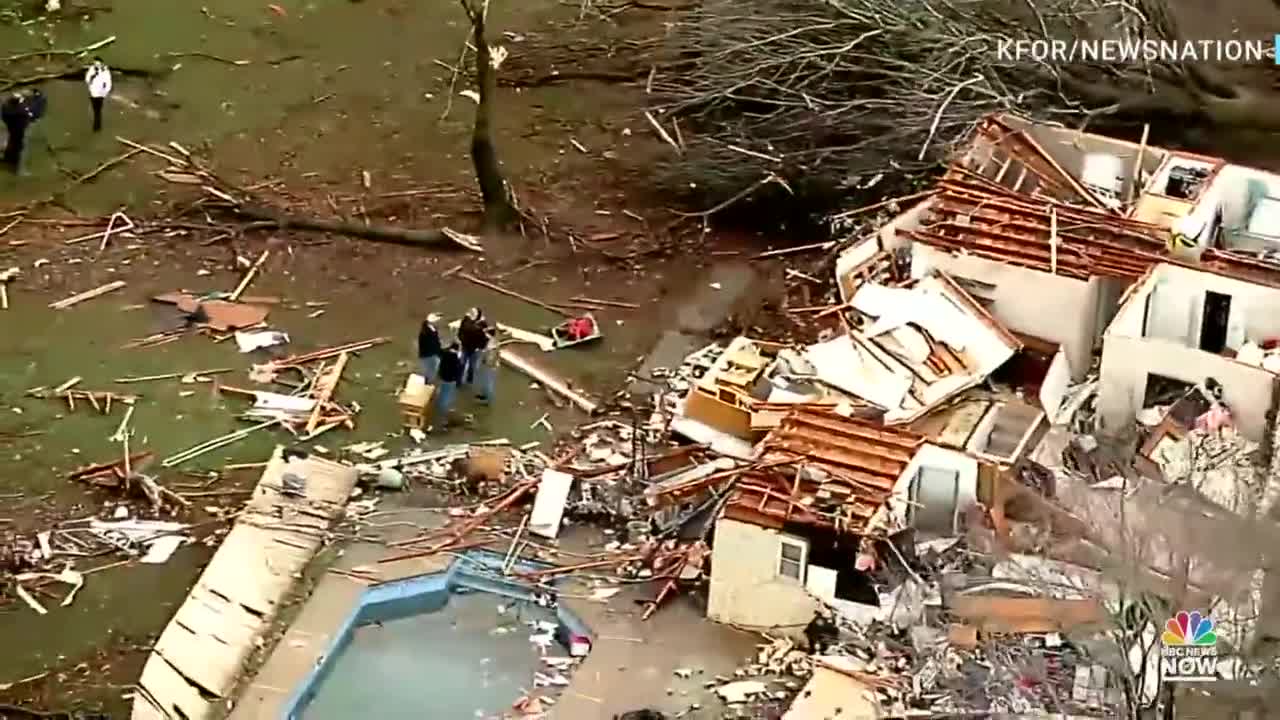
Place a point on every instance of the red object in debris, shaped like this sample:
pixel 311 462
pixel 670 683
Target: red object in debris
pixel 580 328
pixel 1271 343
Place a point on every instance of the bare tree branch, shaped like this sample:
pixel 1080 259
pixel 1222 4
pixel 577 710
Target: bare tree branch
pixel 840 90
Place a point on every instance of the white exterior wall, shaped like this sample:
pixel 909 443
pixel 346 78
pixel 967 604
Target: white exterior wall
pixel 1126 362
pixel 1168 345
pixel 746 589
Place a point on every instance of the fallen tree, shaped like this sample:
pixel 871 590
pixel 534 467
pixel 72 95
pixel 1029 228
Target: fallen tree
pixel 830 94
pixel 224 197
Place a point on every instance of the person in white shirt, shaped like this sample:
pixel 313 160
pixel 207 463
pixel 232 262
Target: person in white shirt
pixel 98 78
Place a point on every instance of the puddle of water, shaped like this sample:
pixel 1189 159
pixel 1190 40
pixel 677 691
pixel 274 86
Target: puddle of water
pixel 462 661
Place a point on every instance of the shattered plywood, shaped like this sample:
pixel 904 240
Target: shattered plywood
pixel 194 665
pixel 832 692
pixel 220 315
pixel 917 348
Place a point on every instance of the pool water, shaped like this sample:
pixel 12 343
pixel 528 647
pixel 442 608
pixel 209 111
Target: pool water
pixel 467 656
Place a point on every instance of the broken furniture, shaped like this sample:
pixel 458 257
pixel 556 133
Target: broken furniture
pixel 100 400
pixel 414 400
pixel 724 397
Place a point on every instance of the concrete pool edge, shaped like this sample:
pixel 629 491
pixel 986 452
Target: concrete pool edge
pixel 305 653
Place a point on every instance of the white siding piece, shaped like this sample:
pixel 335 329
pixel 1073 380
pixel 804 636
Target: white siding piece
pixel 1054 387
pixel 221 622
pixel 821 583
pixel 548 506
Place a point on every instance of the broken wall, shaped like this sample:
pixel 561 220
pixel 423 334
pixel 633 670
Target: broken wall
pixel 1058 309
pixel 938 458
pixel 1177 307
pixel 746 588
pixel 1126 363
pixel 1068 148
pixel 1234 189
pixel 852 258
pixel 889 237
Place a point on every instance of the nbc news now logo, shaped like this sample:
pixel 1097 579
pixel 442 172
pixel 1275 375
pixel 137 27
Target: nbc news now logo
pixel 1189 649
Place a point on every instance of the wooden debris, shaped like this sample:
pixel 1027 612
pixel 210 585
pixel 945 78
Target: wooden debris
pixel 100 400
pixel 326 353
pixel 607 303
pixel 87 295
pixel 690 561
pixel 547 380
pixel 462 530
pixel 169 376
pixel 197 450
pixel 324 388
pixel 109 474
pixel 248 277
pixel 513 294
pixel 120 475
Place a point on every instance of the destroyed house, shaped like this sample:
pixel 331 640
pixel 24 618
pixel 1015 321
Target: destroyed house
pixel 791 527
pixel 1181 326
pixel 1048 228
pixel 746 388
pixel 910 349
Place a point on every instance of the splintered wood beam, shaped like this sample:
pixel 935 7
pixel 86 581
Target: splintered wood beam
pixel 87 295
pixel 326 386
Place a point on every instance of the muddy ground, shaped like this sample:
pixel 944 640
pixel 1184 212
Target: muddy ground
pixel 331 89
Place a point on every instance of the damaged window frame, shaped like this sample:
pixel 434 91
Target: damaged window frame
pixel 801 563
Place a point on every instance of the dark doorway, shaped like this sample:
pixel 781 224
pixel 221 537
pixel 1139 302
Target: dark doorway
pixel 1213 323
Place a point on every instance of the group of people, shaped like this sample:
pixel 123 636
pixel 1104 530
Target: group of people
pixel 20 110
pixel 470 359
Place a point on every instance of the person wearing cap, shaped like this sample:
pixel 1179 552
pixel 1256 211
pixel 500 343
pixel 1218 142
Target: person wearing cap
pixel 473 336
pixel 429 347
pixel 98 79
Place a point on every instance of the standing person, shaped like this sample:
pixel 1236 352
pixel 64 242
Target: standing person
pixel 37 103
pixel 98 79
pixel 17 117
pixel 473 335
pixel 447 386
pixel 487 374
pixel 429 348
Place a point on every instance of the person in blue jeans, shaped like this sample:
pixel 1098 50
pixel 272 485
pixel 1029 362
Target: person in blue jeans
pixel 486 374
pixel 449 376
pixel 473 335
pixel 429 347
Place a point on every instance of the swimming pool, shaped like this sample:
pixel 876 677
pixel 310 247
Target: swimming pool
pixel 451 645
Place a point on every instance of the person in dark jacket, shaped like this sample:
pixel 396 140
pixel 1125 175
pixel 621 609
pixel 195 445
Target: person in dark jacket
pixel 473 335
pixel 429 347
pixel 449 376
pixel 37 104
pixel 17 118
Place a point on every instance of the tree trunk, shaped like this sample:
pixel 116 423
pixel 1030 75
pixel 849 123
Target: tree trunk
pixel 498 210
pixel 377 233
